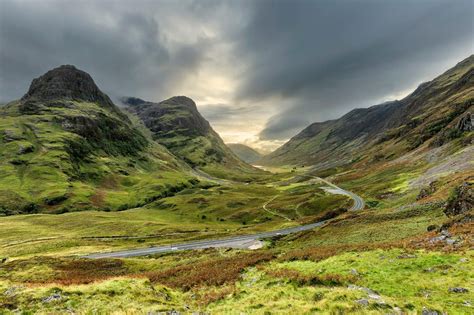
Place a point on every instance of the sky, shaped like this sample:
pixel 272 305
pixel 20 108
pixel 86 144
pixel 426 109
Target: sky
pixel 260 71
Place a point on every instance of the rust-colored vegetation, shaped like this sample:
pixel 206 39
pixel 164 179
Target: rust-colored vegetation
pixel 212 272
pixel 306 279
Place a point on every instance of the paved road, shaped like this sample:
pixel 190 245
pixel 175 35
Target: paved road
pixel 236 241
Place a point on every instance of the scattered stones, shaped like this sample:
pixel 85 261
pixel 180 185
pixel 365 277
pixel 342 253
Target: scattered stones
pixel 52 298
pixel 458 290
pixel 363 302
pixel 467 303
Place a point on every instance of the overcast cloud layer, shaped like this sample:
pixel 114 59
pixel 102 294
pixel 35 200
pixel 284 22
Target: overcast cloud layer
pixel 260 71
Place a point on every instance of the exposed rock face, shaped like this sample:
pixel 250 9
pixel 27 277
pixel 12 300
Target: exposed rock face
pixel 465 123
pixel 189 124
pixel 462 201
pixel 66 83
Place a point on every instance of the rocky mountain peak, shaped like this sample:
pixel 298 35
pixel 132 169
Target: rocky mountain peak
pixel 66 82
pixel 181 100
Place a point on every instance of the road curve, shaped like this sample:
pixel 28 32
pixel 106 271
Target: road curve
pixel 234 241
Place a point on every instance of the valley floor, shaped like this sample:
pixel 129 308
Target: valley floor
pixel 380 260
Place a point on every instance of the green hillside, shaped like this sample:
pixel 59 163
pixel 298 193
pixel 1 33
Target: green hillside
pixel 66 147
pixel 177 124
pixel 427 118
pixel 407 250
pixel 245 153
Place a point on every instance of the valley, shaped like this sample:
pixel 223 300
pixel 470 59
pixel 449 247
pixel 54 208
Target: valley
pixel 143 208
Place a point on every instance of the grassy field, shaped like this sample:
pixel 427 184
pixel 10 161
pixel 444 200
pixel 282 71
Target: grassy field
pixel 376 261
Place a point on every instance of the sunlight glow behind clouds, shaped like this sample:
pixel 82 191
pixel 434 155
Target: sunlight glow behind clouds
pixel 259 71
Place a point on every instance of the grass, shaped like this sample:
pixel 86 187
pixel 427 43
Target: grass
pixel 51 163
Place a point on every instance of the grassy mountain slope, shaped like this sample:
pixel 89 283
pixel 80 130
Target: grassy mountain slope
pixel 429 116
pixel 402 254
pixel 66 147
pixel 245 153
pixel 177 124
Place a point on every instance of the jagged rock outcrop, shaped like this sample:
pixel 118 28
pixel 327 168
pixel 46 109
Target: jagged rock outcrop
pixel 462 201
pixel 182 115
pixel 465 123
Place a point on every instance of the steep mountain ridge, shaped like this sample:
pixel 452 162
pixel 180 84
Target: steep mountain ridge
pixel 66 147
pixel 177 124
pixel 427 116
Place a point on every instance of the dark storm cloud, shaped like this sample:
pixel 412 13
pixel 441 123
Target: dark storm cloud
pixel 330 56
pixel 284 62
pixel 123 49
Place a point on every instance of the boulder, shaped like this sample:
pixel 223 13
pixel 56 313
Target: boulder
pixel 458 290
pixel 461 201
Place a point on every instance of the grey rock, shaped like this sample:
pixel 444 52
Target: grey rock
pixel 354 272
pixel 458 290
pixel 466 123
pixel 427 311
pixel 450 241
pixel 363 302
pixel 445 233
pixel 367 290
pixel 52 298
pixel 463 260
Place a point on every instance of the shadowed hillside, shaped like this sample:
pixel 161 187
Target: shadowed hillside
pixel 244 152
pixel 177 124
pixel 430 116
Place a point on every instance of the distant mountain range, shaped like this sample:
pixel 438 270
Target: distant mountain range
pixel 244 152
pixel 437 112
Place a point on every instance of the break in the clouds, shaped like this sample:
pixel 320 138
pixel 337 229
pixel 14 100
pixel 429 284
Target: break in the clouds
pixel 260 71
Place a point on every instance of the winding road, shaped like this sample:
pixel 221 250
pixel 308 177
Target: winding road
pixel 241 241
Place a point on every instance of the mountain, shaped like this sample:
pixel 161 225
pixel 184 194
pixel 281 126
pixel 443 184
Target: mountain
pixel 245 153
pixel 436 113
pixel 65 146
pixel 177 124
